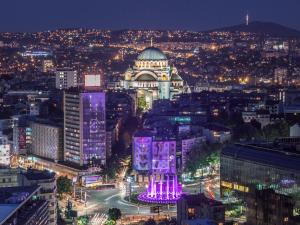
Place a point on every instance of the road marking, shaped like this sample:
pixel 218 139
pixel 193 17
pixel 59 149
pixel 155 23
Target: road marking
pixel 113 196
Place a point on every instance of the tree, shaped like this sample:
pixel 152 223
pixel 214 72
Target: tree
pixel 150 222
pixel 276 130
pixel 142 104
pixel 202 156
pixel 64 185
pixel 114 214
pixel 256 124
pixel 110 222
pixel 246 131
pixel 83 220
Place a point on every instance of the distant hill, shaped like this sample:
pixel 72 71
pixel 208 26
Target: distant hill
pixel 267 28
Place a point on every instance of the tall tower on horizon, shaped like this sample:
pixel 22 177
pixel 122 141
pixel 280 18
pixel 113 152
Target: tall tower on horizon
pixel 247 19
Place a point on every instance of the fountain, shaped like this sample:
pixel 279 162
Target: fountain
pixel 163 187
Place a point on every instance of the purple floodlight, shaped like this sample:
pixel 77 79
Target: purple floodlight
pixel 163 186
pixel 163 189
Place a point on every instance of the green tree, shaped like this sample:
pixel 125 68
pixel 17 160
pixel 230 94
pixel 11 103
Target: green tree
pixel 64 185
pixel 276 130
pixel 142 104
pixel 114 214
pixel 246 131
pixel 202 156
pixel 83 220
pixel 110 222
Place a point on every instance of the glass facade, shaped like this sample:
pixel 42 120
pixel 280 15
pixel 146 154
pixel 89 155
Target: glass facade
pixel 244 169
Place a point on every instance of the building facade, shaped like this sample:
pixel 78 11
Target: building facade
pixel 47 192
pixel 47 140
pixel 245 168
pixel 22 205
pixel 193 207
pixel 153 78
pixel 266 207
pixel 9 177
pixel 66 78
pixel 84 128
pixel 5 150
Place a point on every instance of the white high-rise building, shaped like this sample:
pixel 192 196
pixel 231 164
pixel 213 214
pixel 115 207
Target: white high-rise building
pixel 4 150
pixel 66 78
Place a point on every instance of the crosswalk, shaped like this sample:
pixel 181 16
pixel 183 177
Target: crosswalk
pixel 98 219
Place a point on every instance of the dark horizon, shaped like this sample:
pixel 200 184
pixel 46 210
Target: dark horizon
pixel 194 15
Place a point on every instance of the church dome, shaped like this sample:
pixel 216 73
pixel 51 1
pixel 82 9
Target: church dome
pixel 152 54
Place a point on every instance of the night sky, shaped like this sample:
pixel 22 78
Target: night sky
pixel 40 15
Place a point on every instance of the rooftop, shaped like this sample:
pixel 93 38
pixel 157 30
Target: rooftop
pixel 152 53
pixel 264 154
pixel 199 199
pixel 12 198
pixel 32 174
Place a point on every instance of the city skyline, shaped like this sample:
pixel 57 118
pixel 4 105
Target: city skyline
pixel 116 14
pixel 150 112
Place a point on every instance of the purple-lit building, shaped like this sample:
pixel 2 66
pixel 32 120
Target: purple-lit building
pixel 158 159
pixel 142 154
pixel 84 127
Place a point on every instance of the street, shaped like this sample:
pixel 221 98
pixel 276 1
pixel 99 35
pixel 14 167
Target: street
pixel 99 201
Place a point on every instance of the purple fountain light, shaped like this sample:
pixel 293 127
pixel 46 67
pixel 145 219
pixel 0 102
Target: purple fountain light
pixel 163 187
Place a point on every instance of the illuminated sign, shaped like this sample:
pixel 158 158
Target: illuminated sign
pixel 36 53
pixel 181 119
pixel 234 186
pixel 92 80
pixel 92 179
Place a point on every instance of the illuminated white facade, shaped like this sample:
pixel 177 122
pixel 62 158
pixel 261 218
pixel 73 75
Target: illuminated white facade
pixel 4 150
pixel 153 78
pixel 66 78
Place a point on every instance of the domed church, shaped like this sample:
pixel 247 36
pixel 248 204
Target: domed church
pixel 153 78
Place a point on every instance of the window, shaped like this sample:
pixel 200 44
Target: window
pixel 191 213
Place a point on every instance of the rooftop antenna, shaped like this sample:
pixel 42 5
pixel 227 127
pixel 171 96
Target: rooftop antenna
pixel 247 19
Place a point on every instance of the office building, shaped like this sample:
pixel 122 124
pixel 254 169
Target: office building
pixel 66 78
pixel 47 181
pixel 194 207
pixel 266 207
pixel 280 75
pixel 21 135
pixel 245 168
pixel 47 140
pixel 84 127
